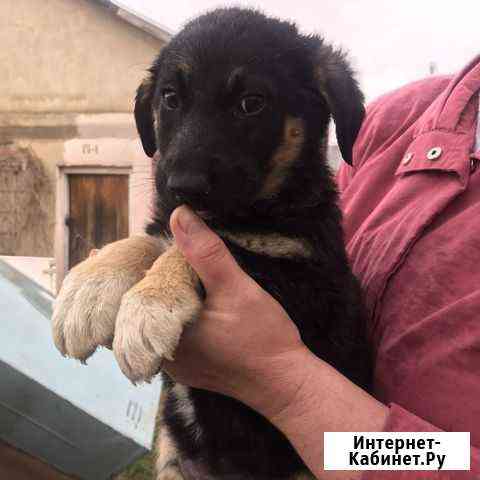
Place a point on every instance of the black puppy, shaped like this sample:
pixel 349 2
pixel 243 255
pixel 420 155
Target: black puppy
pixel 238 106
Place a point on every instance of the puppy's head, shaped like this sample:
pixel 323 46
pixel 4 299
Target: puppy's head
pixel 237 103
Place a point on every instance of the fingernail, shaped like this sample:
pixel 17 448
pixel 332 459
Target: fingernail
pixel 189 223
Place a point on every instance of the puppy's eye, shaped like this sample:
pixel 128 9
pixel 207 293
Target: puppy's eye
pixel 170 99
pixel 251 105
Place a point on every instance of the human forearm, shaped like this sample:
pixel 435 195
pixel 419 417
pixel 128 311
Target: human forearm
pixel 311 398
pixel 245 346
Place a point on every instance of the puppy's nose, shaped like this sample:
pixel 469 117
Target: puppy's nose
pixel 190 186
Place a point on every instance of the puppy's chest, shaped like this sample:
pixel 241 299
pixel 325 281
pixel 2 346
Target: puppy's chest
pixel 288 269
pixel 222 432
pixel 274 260
pixel 270 245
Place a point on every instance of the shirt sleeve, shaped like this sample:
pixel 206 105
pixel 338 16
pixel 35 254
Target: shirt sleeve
pixel 400 420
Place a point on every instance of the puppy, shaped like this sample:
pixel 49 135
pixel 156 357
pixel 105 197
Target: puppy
pixel 238 107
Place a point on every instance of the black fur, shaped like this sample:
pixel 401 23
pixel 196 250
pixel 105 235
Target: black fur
pixel 206 137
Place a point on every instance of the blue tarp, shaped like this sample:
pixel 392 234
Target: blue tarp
pixel 89 421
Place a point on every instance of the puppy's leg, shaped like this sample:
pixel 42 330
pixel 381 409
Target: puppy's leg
pixel 87 305
pixel 166 465
pixel 153 314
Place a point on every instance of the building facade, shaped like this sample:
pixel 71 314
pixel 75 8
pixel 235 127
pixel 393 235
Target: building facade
pixel 73 175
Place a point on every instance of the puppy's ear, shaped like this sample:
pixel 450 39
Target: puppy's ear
pixel 343 95
pixel 144 116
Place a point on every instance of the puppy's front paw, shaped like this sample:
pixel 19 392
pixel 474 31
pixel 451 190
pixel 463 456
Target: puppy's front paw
pixel 87 305
pixel 149 326
pixel 153 314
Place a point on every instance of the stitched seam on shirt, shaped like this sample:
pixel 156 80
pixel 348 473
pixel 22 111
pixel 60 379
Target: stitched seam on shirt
pixel 442 130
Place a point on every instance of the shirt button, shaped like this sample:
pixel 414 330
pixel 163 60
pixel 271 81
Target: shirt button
pixel 406 159
pixel 434 153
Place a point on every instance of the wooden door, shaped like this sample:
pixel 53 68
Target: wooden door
pixel 98 212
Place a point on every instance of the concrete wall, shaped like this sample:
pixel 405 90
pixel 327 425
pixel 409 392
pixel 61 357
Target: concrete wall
pixel 69 56
pixel 97 142
pixel 69 73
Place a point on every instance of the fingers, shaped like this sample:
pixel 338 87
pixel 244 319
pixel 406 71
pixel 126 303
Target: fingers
pixel 205 251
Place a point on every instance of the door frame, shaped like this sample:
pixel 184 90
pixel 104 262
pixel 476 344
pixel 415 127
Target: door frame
pixel 62 236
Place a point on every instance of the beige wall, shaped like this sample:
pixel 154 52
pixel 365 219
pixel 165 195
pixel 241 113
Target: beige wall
pixel 102 143
pixel 68 74
pixel 69 56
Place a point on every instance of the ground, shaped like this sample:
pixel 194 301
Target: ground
pixel 142 469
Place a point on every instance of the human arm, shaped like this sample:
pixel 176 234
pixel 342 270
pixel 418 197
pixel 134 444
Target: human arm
pixel 299 393
pixel 245 346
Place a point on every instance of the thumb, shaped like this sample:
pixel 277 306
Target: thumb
pixel 205 251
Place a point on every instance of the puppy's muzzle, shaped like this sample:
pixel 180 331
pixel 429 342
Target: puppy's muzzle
pixel 190 188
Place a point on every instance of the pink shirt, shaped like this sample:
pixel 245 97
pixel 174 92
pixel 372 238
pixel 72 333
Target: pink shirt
pixel 412 222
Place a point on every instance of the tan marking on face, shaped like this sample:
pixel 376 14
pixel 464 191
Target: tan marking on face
pixel 271 245
pixel 284 157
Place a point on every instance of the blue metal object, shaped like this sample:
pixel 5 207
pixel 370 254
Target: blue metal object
pixel 88 421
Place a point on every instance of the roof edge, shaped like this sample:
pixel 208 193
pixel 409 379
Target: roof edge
pixel 136 19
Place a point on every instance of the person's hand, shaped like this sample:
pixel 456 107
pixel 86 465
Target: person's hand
pixel 244 342
pixel 245 346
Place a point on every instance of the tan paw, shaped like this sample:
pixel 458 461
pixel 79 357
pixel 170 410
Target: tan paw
pixel 87 305
pixel 153 314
